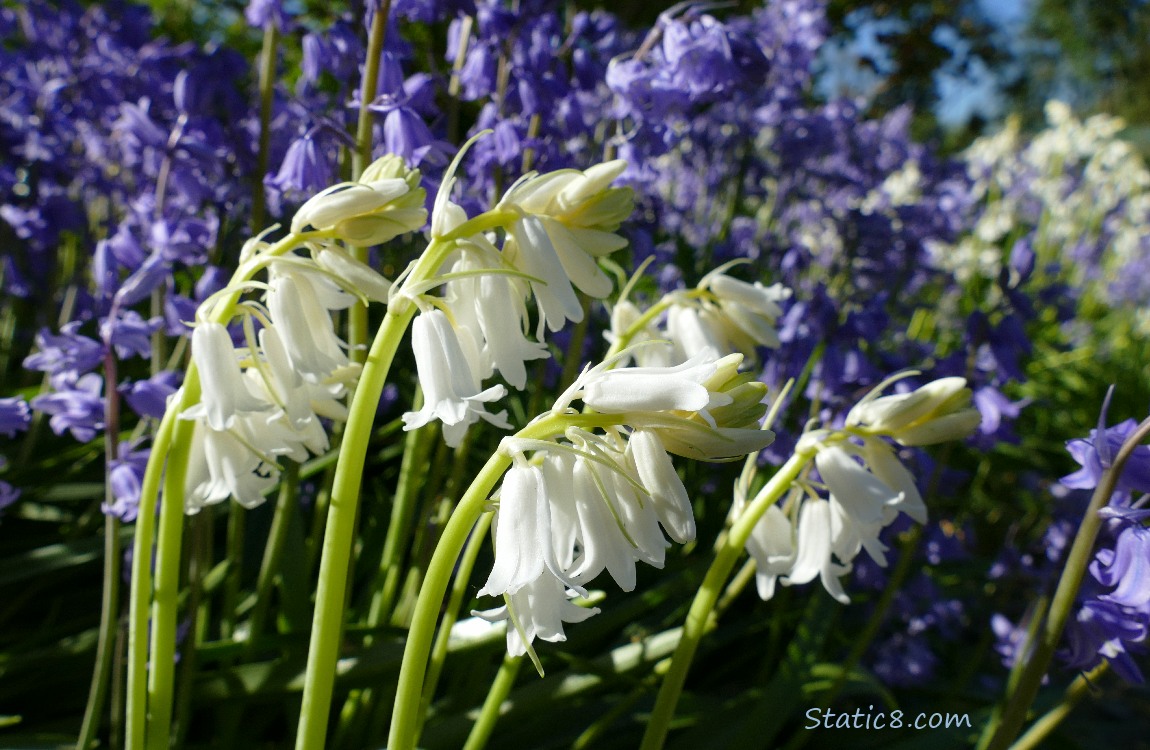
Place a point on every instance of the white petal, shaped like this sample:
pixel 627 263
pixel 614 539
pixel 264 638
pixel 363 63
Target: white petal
pixel 518 553
pixel 536 256
pixel 578 264
pixel 658 476
pixel 813 542
pixel 862 494
pixel 885 464
pixel 629 390
pixel 224 391
pixel 604 546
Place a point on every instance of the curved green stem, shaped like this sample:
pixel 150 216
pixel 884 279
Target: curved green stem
pixel 998 735
pixel 699 615
pixel 489 714
pixel 165 597
pixel 339 534
pixel 409 695
pixel 451 614
pixel 142 585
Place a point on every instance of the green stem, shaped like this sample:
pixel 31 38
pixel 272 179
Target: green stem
pixel 701 608
pixel 409 694
pixel 165 597
pixel 142 585
pixel 109 615
pixel 235 558
pixel 489 714
pixel 1078 690
pixel 451 614
pixel 334 567
pixel 1081 552
pixel 376 36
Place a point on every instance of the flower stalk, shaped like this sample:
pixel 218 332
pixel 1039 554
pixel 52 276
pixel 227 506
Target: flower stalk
pixel 699 616
pixel 1003 728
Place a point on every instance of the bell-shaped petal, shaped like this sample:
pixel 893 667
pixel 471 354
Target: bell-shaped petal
pixel 523 543
pixel 223 390
pixel 772 546
pixel 863 495
pixel 813 550
pixel 662 482
pixel 305 325
pixel 884 464
pixel 532 252
pixel 451 389
pixel 540 607
pixel 605 546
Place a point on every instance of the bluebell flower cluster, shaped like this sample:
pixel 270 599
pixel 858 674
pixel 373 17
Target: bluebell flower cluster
pixel 132 155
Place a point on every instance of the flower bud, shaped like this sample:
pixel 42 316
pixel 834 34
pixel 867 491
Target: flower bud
pixel 385 203
pixel 934 413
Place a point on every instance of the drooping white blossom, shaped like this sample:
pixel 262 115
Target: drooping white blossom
pixel 452 391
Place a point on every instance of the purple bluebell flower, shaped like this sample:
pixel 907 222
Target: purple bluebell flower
pixel 406 134
pixel 306 168
pixel 66 352
pixel 126 475
pixel 130 334
pixel 78 409
pixel 261 13
pixel 140 284
pixel 1126 567
pixel 1094 454
pixel 14 415
pixel 149 398
pixel 1105 629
